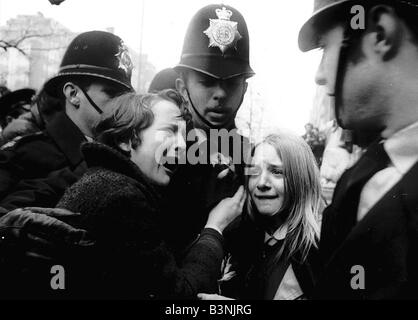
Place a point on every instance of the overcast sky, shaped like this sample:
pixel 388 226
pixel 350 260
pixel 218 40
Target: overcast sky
pixel 284 76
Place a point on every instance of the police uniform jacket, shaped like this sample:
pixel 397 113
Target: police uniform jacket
pixel 194 190
pixel 35 156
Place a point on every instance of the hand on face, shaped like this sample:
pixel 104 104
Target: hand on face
pixel 226 211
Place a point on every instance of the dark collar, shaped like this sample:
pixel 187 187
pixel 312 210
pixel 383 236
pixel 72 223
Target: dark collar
pixel 98 154
pixel 67 137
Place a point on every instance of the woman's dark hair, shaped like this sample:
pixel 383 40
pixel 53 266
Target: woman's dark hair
pixel 129 114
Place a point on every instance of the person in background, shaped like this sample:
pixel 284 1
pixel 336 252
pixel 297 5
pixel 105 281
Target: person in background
pixel 308 136
pixel 165 79
pixel 3 90
pixel 15 116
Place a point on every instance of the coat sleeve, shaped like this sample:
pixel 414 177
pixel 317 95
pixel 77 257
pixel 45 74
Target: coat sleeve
pixel 197 272
pixel 44 192
pixel 32 157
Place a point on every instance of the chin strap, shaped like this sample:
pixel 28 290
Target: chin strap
pixel 345 47
pixel 350 35
pixel 90 100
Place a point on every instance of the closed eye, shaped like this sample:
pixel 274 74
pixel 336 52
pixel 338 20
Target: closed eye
pixel 171 128
pixel 276 170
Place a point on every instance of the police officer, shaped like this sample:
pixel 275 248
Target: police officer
pixel 369 67
pixel 3 90
pixel 15 116
pixel 164 79
pixel 213 69
pixel 95 68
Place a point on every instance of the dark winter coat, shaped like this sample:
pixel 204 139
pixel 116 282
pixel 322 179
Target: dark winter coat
pixel 121 210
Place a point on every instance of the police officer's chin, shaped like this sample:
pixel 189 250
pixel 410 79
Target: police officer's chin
pixel 213 124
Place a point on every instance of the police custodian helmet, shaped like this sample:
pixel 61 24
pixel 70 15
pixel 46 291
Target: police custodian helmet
pixel 217 43
pixel 21 98
pixel 96 54
pixel 327 12
pixel 164 79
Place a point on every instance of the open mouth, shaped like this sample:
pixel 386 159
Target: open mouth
pixel 266 197
pixel 171 165
pixel 217 114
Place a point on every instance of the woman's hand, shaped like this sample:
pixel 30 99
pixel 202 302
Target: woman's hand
pixel 226 211
pixel 205 296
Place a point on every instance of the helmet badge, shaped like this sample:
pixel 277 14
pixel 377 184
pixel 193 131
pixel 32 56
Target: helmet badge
pixel 222 32
pixel 125 62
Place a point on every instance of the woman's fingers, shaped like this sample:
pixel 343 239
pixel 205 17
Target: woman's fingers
pixel 239 194
pixel 239 197
pixel 242 201
pixel 205 296
pixel 53 212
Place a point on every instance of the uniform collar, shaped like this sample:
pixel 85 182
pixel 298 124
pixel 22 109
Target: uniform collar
pixel 402 148
pixel 67 136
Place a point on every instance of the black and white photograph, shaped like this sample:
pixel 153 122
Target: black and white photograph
pixel 209 156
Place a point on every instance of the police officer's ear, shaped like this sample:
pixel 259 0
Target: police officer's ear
pixel 181 87
pixel 70 92
pixel 386 31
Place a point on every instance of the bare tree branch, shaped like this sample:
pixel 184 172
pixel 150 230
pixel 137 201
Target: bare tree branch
pixel 16 43
pixel 7 45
